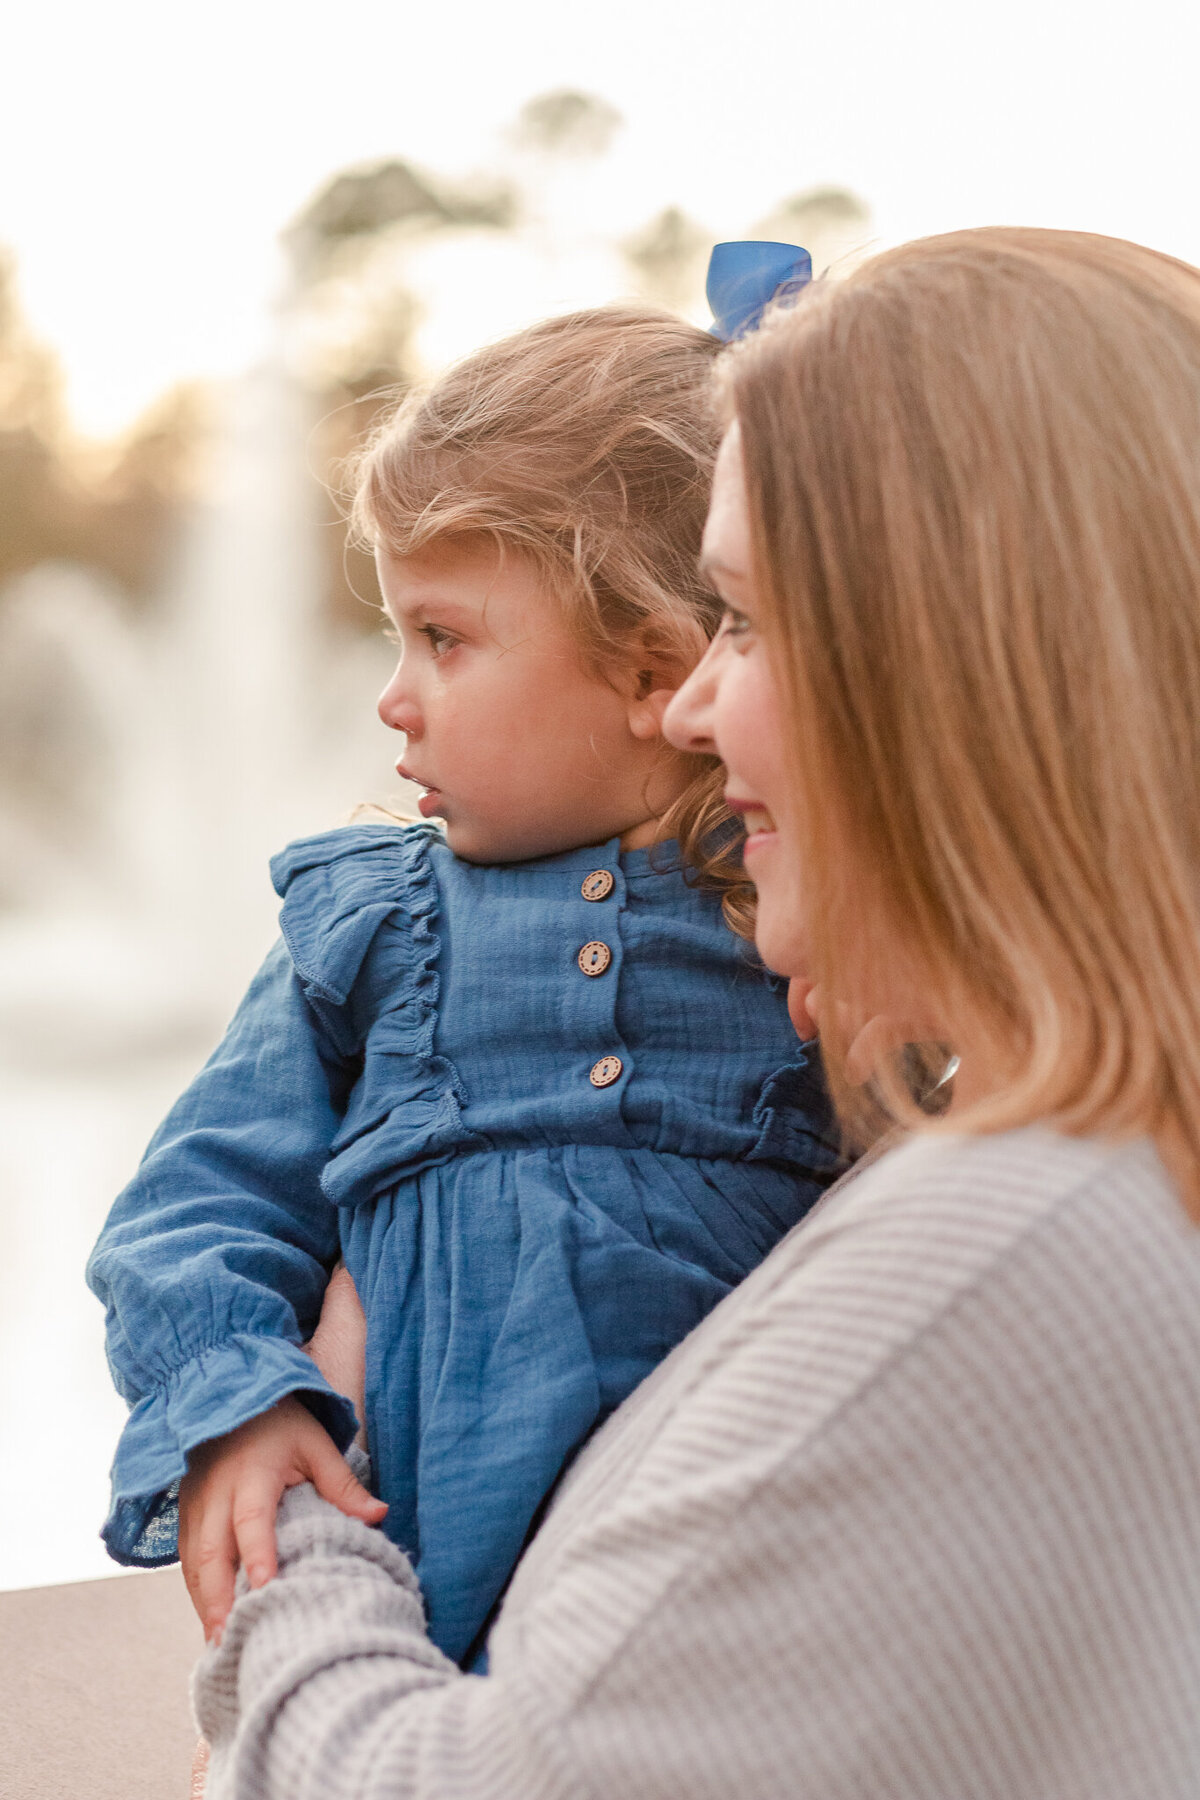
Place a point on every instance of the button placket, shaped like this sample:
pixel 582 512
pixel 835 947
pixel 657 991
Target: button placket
pixel 594 959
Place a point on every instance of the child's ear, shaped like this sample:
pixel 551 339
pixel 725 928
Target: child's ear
pixel 650 684
pixel 646 706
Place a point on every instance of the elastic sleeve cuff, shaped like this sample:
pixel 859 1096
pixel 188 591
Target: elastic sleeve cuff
pixel 219 1389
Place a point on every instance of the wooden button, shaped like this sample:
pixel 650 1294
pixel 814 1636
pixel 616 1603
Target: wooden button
pixel 597 886
pixel 594 958
pixel 606 1071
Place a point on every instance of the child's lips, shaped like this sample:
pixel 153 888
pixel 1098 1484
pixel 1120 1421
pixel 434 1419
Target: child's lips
pixel 429 802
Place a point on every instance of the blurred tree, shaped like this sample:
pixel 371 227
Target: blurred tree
pixel 113 507
pixel 566 122
pixel 351 318
pixel 31 430
pixel 832 224
pixel 358 204
pixel 668 258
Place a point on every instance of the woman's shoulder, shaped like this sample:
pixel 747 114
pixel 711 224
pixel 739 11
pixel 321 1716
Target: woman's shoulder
pixel 1042 1250
pixel 339 886
pixel 945 1214
pixel 986 1189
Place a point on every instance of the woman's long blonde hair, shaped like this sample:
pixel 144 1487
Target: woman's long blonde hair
pixel 973 472
pixel 586 445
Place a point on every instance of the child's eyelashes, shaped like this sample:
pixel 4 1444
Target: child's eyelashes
pixel 439 641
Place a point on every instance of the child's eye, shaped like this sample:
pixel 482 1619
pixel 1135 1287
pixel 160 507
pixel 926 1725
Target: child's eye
pixel 439 641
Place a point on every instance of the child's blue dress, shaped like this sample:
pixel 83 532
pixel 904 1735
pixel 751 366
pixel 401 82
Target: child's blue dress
pixel 549 1113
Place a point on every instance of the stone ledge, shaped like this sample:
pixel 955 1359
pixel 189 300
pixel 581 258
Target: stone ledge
pixel 94 1691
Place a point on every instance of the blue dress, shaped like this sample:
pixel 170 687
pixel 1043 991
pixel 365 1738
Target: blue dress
pixel 549 1113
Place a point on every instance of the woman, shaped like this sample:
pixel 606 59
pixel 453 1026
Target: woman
pixel 916 1512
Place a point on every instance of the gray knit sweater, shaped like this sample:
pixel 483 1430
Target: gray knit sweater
pixel 914 1515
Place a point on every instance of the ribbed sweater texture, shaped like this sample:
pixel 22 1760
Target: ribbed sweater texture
pixel 913 1515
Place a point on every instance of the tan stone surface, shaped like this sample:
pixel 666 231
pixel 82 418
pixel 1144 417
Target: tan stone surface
pixel 94 1690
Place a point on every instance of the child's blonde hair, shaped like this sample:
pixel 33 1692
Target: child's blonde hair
pixel 585 444
pixel 973 472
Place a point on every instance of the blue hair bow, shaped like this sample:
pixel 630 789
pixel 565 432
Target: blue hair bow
pixel 743 279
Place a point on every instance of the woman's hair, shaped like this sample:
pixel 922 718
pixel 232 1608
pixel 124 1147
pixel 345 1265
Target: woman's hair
pixel 973 474
pixel 585 444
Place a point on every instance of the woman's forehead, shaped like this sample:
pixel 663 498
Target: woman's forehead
pixel 726 549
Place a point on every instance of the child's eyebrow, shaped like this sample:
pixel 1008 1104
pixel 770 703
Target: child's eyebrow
pixel 423 606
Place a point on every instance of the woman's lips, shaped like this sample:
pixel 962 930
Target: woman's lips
pixel 760 826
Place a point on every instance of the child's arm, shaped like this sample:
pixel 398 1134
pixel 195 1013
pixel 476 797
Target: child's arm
pixel 214 1260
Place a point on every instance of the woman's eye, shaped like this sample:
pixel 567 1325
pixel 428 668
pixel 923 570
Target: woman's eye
pixel 735 624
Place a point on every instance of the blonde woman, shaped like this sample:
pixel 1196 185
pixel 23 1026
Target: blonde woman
pixel 915 1513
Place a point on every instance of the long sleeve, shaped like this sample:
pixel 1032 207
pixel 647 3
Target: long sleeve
pixel 915 1514
pixel 213 1261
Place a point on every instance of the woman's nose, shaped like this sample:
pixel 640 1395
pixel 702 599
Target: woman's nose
pixel 687 722
pixel 397 706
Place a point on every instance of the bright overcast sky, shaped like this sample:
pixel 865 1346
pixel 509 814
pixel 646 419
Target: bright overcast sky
pixel 149 152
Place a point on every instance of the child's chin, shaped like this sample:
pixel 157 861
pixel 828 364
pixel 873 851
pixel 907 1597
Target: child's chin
pixel 476 846
pixel 473 846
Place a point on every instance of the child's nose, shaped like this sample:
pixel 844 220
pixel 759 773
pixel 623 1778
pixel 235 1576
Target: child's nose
pixel 397 706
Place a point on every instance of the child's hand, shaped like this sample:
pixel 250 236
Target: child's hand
pixel 229 1497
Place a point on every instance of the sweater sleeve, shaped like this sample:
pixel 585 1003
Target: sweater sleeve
pixel 914 1514
pixel 326 1686
pixel 213 1261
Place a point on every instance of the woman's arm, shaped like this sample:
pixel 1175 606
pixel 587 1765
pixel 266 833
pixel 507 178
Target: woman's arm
pixel 858 1536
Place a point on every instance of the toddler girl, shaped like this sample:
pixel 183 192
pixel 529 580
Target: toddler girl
pixel 517 1071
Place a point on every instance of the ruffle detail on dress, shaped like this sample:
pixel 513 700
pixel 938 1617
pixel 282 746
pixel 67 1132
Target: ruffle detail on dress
pixel 795 1120
pixel 209 1395
pixel 360 920
pixel 337 889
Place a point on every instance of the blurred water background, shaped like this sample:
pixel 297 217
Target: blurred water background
pixel 189 647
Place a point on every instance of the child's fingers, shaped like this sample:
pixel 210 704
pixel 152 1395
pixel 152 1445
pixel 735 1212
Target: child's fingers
pixel 210 1569
pixel 199 1770
pixel 330 1475
pixel 255 1505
